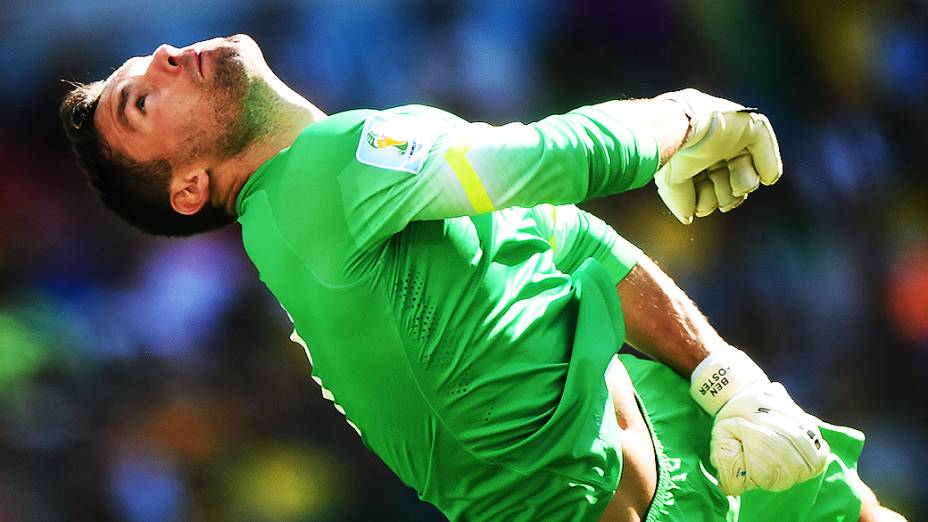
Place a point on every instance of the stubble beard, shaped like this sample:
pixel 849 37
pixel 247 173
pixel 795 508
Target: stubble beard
pixel 246 107
pixel 245 110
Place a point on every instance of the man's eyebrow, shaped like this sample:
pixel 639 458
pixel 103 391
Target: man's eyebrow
pixel 121 110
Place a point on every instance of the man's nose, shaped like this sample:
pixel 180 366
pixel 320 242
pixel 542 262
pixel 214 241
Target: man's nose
pixel 165 59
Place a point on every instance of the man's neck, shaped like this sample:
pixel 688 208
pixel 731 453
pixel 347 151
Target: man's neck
pixel 229 178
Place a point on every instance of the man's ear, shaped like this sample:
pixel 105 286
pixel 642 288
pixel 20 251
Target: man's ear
pixel 190 192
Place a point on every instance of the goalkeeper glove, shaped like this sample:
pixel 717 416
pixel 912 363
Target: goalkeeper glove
pixel 729 151
pixel 760 437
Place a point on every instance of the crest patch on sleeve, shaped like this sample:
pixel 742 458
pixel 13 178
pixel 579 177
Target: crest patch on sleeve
pixel 395 142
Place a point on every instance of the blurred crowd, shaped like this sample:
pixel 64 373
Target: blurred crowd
pixel 145 379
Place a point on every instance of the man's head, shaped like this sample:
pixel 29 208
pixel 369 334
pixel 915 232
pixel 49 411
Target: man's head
pixel 162 138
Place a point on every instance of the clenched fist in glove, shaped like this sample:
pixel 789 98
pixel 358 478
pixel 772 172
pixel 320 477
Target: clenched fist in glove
pixel 729 151
pixel 760 438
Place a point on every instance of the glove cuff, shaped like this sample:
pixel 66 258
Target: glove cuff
pixel 700 108
pixel 720 376
pixel 697 128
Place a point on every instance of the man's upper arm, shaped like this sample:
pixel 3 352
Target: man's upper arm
pixel 423 164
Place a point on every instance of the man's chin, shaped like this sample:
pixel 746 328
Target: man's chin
pixel 248 56
pixel 247 48
pixel 242 38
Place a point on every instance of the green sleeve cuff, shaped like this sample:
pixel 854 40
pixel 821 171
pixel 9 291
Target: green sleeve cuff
pixel 622 258
pixel 649 159
pixel 631 155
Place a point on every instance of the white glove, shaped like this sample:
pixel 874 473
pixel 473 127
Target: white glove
pixel 728 153
pixel 761 438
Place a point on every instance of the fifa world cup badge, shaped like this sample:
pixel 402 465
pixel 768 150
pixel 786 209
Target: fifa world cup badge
pixel 395 142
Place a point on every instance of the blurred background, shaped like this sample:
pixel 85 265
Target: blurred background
pixel 144 379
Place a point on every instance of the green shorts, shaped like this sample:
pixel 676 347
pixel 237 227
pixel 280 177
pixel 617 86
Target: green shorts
pixel 687 488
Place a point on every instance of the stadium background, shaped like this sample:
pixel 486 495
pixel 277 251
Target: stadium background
pixel 149 379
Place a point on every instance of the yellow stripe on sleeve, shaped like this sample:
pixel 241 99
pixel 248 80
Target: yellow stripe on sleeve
pixel 477 194
pixel 553 238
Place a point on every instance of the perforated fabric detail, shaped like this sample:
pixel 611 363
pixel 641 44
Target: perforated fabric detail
pixel 420 316
pixel 421 323
pixel 441 357
pixel 462 384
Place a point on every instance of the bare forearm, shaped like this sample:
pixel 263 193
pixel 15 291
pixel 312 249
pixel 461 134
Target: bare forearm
pixel 661 321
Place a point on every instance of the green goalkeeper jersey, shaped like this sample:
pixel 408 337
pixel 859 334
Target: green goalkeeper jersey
pixel 455 306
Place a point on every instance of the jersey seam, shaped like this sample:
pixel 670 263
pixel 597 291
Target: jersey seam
pixel 304 344
pixel 296 253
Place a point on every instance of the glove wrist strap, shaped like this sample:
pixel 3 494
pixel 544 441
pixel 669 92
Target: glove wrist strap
pixel 687 110
pixel 720 376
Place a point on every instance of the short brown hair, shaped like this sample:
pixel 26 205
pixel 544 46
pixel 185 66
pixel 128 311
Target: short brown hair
pixel 136 192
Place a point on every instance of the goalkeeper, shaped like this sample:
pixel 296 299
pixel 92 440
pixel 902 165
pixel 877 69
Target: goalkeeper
pixel 460 312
